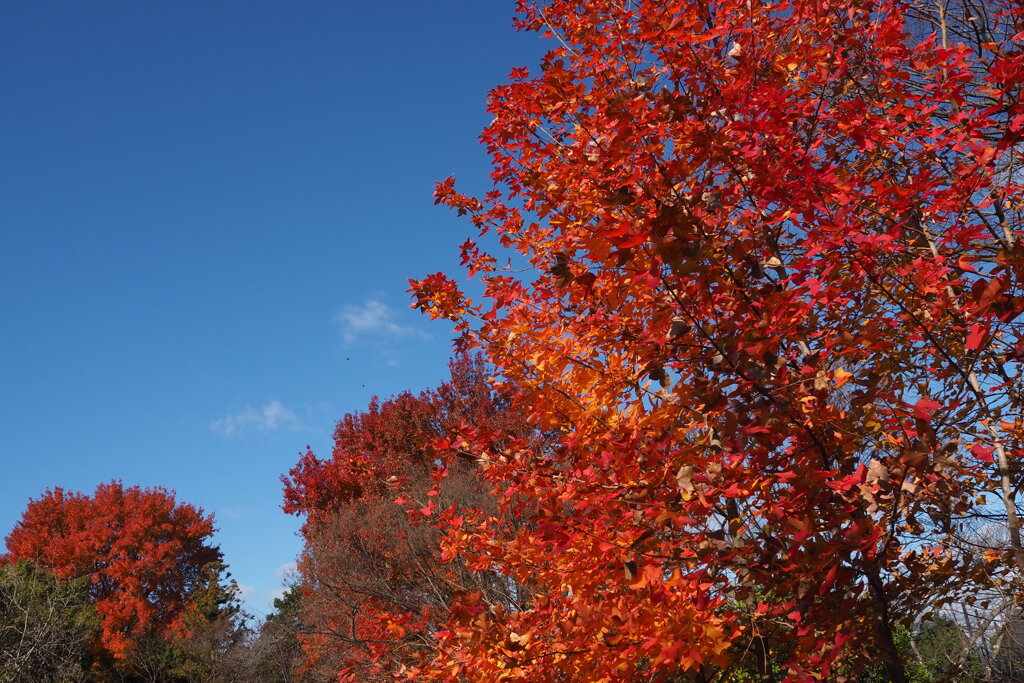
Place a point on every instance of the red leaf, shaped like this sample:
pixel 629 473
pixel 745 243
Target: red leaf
pixel 975 336
pixel 925 408
pixel 830 579
pixel 983 453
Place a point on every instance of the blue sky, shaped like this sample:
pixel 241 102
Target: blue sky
pixel 208 213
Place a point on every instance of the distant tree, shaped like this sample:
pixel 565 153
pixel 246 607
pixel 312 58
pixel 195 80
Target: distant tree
pixel 274 654
pixel 209 639
pixel 1008 652
pixel 142 556
pixel 375 583
pixel 934 654
pixel 46 626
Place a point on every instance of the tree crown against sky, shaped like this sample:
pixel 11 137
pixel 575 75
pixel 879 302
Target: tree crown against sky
pixel 141 553
pixel 374 584
pixel 772 305
pixel 765 311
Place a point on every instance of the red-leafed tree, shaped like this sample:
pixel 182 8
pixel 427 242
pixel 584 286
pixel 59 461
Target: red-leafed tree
pixel 142 552
pixel 774 312
pixel 374 587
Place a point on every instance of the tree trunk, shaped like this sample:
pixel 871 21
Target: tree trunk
pixel 883 632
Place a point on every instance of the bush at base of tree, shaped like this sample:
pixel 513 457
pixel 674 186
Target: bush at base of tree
pixel 47 626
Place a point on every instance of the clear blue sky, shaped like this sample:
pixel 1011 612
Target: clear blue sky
pixel 208 213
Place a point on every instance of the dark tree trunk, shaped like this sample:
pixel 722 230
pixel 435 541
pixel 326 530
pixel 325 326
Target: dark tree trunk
pixel 883 632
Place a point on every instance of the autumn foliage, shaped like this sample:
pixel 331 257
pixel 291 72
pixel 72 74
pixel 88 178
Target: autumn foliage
pixel 141 552
pixel 771 305
pixel 748 404
pixel 374 586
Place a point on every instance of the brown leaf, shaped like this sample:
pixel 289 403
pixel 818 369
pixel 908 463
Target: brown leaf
pixel 684 479
pixel 821 380
pixel 876 472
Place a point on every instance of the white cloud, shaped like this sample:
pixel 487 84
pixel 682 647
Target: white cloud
pixel 260 601
pixel 270 417
pixel 233 512
pixel 285 571
pixel 371 319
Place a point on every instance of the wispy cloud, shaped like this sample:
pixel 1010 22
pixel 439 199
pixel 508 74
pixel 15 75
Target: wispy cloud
pixel 260 600
pixel 233 512
pixel 285 571
pixel 268 418
pixel 275 594
pixel 372 319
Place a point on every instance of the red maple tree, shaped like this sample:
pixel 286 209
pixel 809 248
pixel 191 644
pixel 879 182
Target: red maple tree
pixel 774 280
pixel 142 551
pixel 374 586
